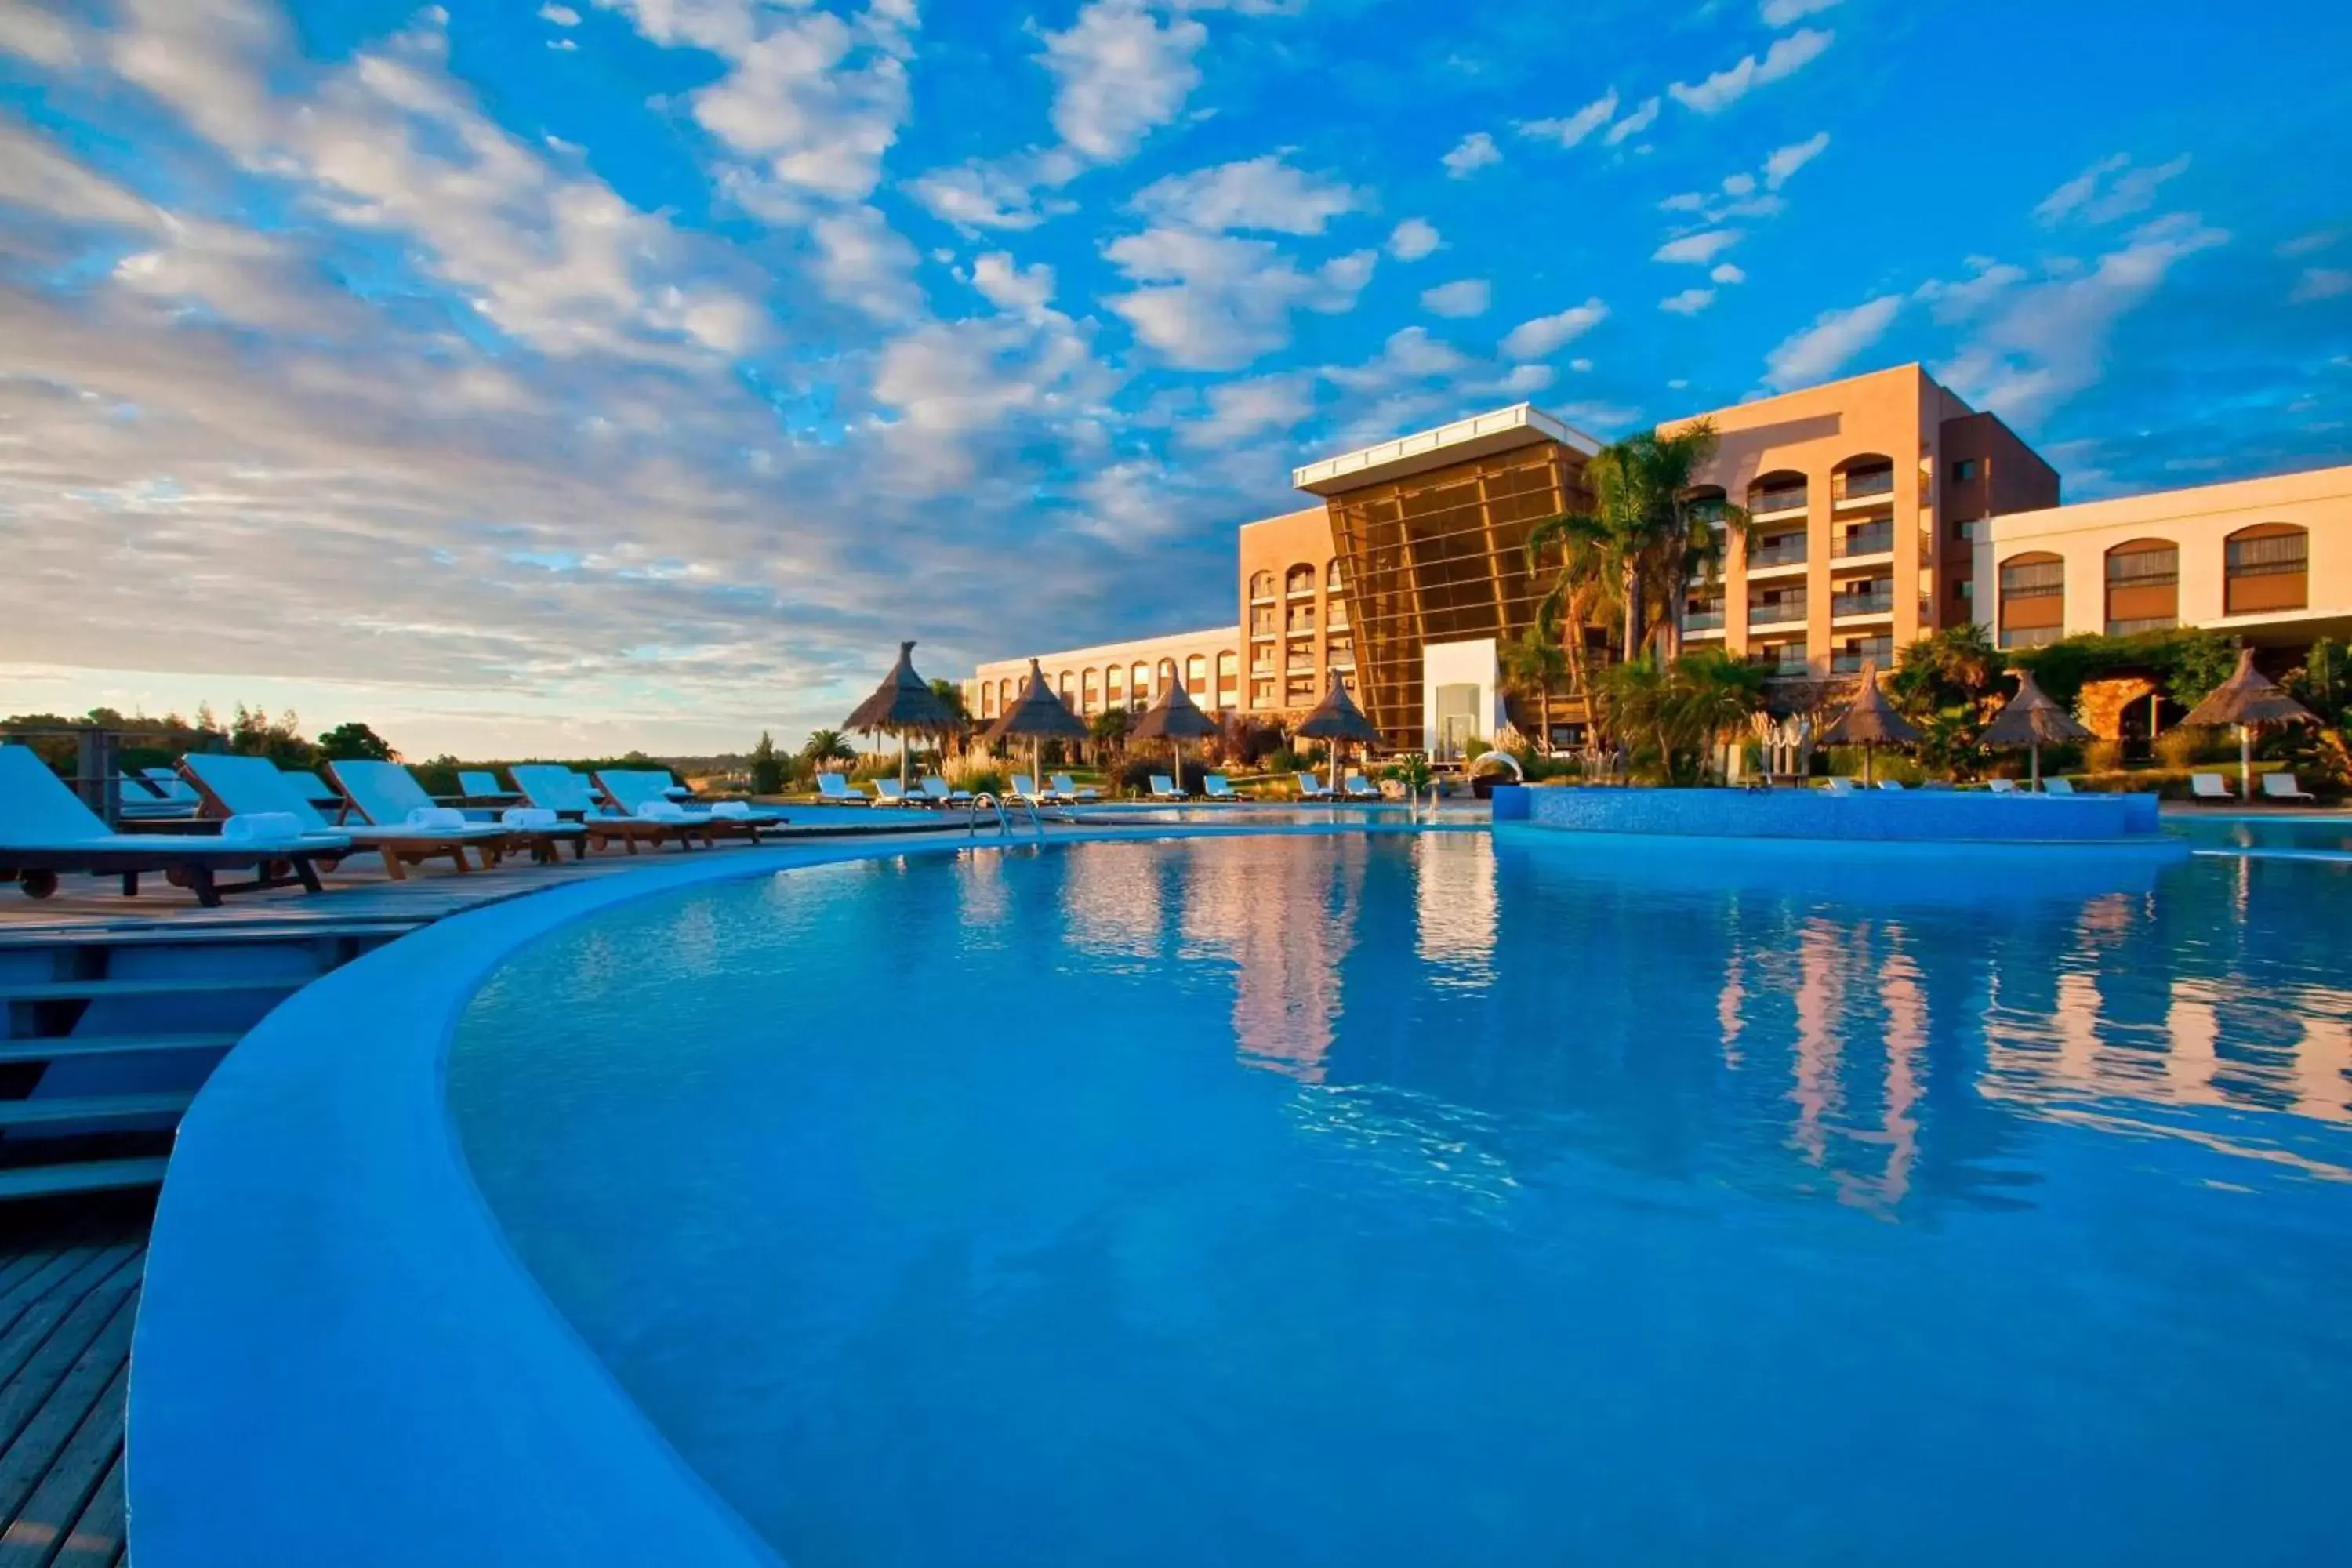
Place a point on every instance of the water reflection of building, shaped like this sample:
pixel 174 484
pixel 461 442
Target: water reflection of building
pixel 1454 907
pixel 1111 898
pixel 1285 922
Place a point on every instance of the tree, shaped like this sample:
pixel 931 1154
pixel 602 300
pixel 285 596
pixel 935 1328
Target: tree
pixel 355 742
pixel 1534 663
pixel 1713 692
pixel 204 718
pixel 1109 731
pixel 767 767
pixel 950 696
pixel 253 733
pixel 824 746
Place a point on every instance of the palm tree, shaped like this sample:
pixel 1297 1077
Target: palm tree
pixel 1715 692
pixel 1535 664
pixel 826 746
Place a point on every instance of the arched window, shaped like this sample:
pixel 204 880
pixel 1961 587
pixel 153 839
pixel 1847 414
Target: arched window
pixel 1090 690
pixel 1115 686
pixel 2266 567
pixel 1229 678
pixel 1783 491
pixel 1196 675
pixel 1705 504
pixel 1004 696
pixel 2143 587
pixel 1167 673
pixel 1299 579
pixel 2033 599
pixel 1261 585
pixel 1062 684
pixel 987 699
pixel 1867 477
pixel 1331 577
pixel 1138 691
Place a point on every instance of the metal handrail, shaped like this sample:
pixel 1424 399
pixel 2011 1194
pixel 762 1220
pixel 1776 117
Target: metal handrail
pixel 1003 822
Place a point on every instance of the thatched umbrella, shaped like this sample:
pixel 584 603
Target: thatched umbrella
pixel 2032 719
pixel 2248 700
pixel 1870 723
pixel 1038 712
pixel 1338 719
pixel 1175 719
pixel 902 705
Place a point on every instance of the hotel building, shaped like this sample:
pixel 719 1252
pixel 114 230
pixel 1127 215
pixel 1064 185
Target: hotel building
pixel 1882 507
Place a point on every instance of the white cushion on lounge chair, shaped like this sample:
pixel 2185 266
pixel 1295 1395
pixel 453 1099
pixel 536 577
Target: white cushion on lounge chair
pixel 434 818
pixel 262 828
pixel 2210 786
pixel 528 818
pixel 1026 788
pixel 833 786
pixel 1069 791
pixel 2057 786
pixel 731 810
pixel 385 794
pixel 2002 787
pixel 660 811
pixel 1837 786
pixel 1313 788
pixel 2285 786
pixel 1894 785
pixel 1165 787
pixel 39 810
pixel 1215 786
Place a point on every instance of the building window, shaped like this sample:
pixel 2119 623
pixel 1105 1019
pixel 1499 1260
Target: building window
pixel 1261 585
pixel 1331 576
pixel 1867 478
pixel 1196 676
pixel 1297 580
pixel 1115 685
pixel 2267 567
pixel 2032 600
pixel 1779 492
pixel 2143 587
pixel 1965 470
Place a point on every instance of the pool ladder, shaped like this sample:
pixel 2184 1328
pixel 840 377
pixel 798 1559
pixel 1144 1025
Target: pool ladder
pixel 1003 819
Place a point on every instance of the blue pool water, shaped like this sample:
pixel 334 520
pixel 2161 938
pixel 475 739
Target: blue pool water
pixel 1456 1198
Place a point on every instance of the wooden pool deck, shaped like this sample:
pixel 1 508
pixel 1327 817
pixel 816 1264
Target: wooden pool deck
pixel 69 1280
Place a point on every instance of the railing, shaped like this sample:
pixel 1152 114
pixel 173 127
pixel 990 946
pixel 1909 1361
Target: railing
pixel 1703 621
pixel 1864 482
pixel 1849 661
pixel 1788 660
pixel 1301 626
pixel 1783 550
pixel 1863 604
pixel 2142 624
pixel 1776 612
pixel 1864 542
pixel 1299 667
pixel 1796 500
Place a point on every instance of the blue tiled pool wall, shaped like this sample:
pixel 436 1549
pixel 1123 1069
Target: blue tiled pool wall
pixel 1872 815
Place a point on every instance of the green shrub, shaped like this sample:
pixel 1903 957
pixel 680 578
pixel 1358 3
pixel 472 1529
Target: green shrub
pixel 2103 756
pixel 2183 744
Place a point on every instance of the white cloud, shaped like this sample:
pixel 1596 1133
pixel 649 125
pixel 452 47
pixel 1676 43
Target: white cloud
pixel 1633 124
pixel 1697 249
pixel 2320 283
pixel 1545 335
pixel 1689 302
pixel 1781 13
pixel 1786 58
pixel 1739 184
pixel 37 36
pixel 1580 365
pixel 1460 300
pixel 1960 301
pixel 1218 301
pixel 1412 239
pixel 2112 188
pixel 1687 202
pixel 562 46
pixel 1009 286
pixel 1725 272
pixel 1409 355
pixel 2308 244
pixel 1571 130
pixel 1474 152
pixel 1243 410
pixel 1119 74
pixel 2039 343
pixel 1786 161
pixel 1829 344
pixel 1525 380
pixel 1262 193
pixel 561 15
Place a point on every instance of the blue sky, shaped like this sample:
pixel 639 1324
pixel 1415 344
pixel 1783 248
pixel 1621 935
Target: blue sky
pixel 604 372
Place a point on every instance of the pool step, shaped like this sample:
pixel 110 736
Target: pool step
pixel 84 1047
pixel 101 989
pixel 94 1108
pixel 81 1177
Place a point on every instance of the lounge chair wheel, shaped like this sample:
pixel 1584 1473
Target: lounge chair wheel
pixel 37 884
pixel 176 875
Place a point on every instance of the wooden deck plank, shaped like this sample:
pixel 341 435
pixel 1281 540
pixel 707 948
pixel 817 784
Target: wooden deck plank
pixel 15 1269
pixel 66 1485
pixel 99 1365
pixel 97 1537
pixel 81 1177
pixel 48 1343
pixel 37 1283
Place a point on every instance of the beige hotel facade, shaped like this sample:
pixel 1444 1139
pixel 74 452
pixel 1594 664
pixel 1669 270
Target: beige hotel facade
pixel 1883 508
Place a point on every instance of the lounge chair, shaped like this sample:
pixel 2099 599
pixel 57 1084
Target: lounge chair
pixel 2210 786
pixel 234 786
pixel 890 792
pixel 941 791
pixel 1837 786
pixel 1896 786
pixel 480 787
pixel 2002 786
pixel 1164 788
pixel 833 790
pixel 2285 787
pixel 45 829
pixel 1356 787
pixel 330 802
pixel 570 797
pixel 386 794
pixel 1312 788
pixel 141 797
pixel 1216 787
pixel 1075 792
pixel 1024 789
pixel 2055 786
pixel 645 793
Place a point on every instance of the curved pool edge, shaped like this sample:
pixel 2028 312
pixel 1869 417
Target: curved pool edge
pixel 339 1357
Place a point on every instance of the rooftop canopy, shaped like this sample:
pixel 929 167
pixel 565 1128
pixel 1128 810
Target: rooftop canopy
pixel 1521 425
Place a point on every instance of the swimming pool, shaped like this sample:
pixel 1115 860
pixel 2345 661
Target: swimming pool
pixel 1453 1198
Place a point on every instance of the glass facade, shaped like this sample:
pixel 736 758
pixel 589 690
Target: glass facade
pixel 1442 557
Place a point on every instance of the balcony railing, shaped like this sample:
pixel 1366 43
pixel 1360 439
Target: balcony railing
pixel 1781 550
pixel 1792 500
pixel 1863 604
pixel 1864 482
pixel 1788 659
pixel 1776 612
pixel 1300 667
pixel 1702 620
pixel 1864 542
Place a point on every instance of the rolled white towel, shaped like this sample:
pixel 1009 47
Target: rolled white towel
pixel 262 828
pixel 661 811
pixel 437 818
pixel 731 810
pixel 528 816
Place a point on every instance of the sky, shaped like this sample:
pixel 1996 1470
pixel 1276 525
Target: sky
pixel 564 378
